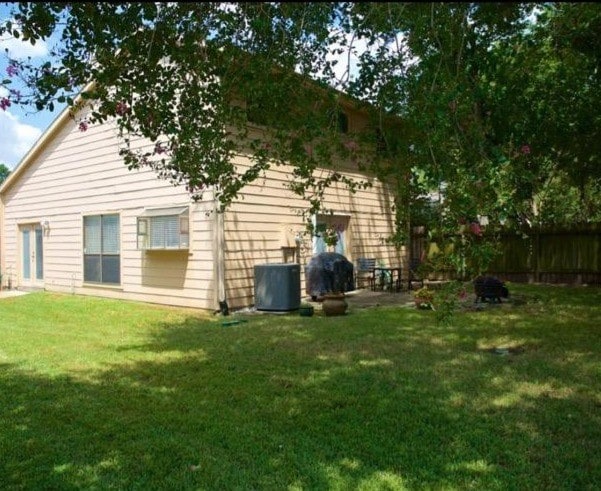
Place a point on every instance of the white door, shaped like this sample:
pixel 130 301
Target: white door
pixel 32 255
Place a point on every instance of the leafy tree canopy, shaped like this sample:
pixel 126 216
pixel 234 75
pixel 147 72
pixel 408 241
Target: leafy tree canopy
pixel 188 76
pixel 496 106
pixel 4 172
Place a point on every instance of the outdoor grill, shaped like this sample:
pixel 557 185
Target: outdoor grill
pixel 328 272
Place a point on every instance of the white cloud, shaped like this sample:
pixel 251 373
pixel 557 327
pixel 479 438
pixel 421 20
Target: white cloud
pixel 16 138
pixel 22 49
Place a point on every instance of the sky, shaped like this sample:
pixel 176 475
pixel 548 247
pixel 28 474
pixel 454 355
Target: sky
pixel 20 128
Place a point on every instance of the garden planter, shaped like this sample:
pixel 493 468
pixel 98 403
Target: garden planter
pixel 423 298
pixel 306 310
pixel 334 304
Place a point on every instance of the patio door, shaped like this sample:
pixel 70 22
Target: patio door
pixel 32 255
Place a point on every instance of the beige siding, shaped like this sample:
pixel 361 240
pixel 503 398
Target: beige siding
pixel 73 174
pixel 267 218
pixel 79 174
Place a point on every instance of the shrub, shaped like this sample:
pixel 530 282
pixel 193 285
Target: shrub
pixel 446 301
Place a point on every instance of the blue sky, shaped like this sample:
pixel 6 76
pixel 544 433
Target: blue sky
pixel 20 128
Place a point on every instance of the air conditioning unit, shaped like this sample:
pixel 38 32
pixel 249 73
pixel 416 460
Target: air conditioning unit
pixel 277 287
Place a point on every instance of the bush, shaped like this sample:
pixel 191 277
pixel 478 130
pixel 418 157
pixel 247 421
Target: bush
pixel 446 302
pixel 424 298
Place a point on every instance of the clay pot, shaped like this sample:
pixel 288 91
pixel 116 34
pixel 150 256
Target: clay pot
pixel 334 304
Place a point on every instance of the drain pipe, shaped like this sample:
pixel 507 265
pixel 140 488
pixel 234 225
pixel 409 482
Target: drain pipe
pixel 219 255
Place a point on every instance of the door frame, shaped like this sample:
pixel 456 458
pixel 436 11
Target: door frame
pixel 36 276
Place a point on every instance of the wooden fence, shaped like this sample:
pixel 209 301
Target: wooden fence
pixel 545 256
pixel 551 256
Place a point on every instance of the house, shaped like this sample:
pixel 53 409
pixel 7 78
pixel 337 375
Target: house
pixel 74 219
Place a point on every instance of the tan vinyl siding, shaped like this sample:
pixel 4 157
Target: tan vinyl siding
pixel 70 174
pixel 81 173
pixel 256 226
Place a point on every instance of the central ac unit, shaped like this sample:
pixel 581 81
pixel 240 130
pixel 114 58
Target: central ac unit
pixel 277 287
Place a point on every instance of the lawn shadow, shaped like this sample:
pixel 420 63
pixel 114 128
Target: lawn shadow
pixel 314 403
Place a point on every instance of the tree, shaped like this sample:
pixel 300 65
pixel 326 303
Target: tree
pixel 187 77
pixel 502 105
pixel 493 106
pixel 4 172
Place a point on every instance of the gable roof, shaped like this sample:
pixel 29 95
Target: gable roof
pixel 346 101
pixel 40 143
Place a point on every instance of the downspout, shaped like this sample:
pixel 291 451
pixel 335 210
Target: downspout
pixel 219 256
pixel 2 268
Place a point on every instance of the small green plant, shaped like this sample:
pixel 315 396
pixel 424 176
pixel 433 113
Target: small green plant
pixel 330 236
pixel 328 233
pixel 446 302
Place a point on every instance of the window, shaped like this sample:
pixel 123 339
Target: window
pixel 164 229
pixel 256 114
pixel 342 122
pixel 101 251
pixel 338 120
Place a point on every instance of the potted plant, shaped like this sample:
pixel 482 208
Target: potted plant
pixel 306 310
pixel 424 298
pixel 330 237
pixel 334 301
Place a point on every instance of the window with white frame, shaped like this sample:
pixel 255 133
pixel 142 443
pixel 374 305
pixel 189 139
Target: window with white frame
pixel 164 229
pixel 101 249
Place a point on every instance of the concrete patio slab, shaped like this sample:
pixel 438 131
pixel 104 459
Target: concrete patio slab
pixel 12 293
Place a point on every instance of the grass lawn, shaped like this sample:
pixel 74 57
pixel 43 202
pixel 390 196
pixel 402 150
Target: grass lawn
pixel 102 394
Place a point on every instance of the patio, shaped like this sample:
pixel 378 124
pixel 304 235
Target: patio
pixel 364 298
pixel 12 293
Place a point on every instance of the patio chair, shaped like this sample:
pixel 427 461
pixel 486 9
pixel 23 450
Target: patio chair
pixel 365 272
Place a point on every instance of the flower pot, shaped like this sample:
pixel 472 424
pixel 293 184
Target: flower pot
pixel 306 310
pixel 334 304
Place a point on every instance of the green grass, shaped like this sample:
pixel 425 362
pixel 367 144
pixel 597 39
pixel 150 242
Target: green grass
pixel 101 394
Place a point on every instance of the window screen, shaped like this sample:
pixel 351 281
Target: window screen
pixel 164 232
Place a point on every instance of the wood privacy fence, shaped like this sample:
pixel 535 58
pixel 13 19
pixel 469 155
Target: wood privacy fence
pixel 571 256
pixel 551 256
